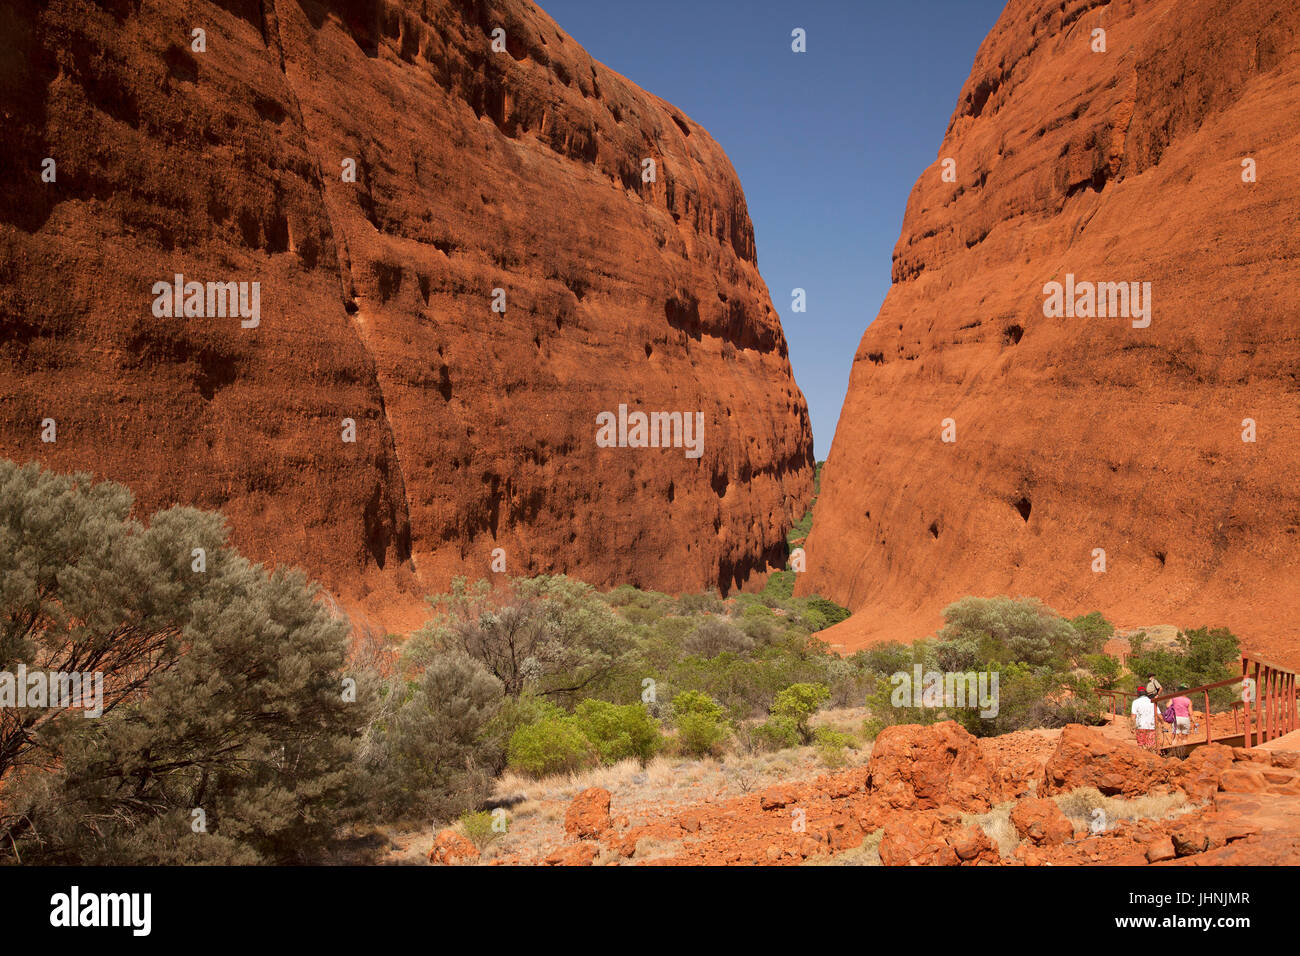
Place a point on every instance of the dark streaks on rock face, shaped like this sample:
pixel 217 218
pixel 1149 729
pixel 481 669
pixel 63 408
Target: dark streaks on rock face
pixel 1117 167
pixel 475 171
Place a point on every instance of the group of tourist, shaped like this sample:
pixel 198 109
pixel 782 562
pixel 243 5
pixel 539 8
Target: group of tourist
pixel 1178 714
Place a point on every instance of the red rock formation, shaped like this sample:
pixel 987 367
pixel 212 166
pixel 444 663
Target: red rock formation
pixel 452 849
pixel 588 814
pixel 1086 757
pixel 1075 434
pixel 476 170
pixel 931 767
pixel 1041 822
pixel 920 788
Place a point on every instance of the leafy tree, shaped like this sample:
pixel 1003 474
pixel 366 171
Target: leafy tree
pixel 798 703
pixel 550 635
pixel 1094 630
pixel 1014 629
pixel 432 757
pixel 1106 669
pixel 888 658
pixel 222 687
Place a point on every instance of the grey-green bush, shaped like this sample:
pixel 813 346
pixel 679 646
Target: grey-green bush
pixel 223 688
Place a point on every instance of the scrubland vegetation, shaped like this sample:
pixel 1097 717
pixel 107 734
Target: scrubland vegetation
pixel 246 721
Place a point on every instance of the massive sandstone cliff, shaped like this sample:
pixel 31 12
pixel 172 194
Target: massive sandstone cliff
pixel 1076 434
pixel 476 170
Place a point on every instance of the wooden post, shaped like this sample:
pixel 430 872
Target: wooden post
pixel 1267 701
pixel 1245 706
pixel 1259 727
pixel 1288 689
pixel 1286 706
pixel 1272 703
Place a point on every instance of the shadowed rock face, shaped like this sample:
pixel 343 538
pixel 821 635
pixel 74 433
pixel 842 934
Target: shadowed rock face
pixel 474 171
pixel 1075 434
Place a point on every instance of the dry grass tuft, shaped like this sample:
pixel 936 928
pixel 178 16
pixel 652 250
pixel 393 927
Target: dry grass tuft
pixel 867 853
pixel 1079 805
pixel 997 826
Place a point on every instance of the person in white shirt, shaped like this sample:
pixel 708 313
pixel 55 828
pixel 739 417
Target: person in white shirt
pixel 1144 720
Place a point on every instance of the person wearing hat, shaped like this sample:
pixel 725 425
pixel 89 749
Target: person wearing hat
pixel 1144 719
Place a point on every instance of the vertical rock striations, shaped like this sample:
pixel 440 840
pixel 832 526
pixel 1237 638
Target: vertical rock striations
pixel 1080 433
pixel 475 171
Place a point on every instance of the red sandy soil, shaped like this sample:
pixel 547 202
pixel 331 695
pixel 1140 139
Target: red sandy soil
pixel 923 792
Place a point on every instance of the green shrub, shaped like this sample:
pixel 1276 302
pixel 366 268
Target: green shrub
pixel 958 655
pixel 886 659
pixel 778 733
pixel 549 746
pixel 699 736
pixel 1106 669
pixel 635 614
pixel 513 713
pixel 222 688
pixel 431 757
pixel 619 731
pixel 1203 656
pixel 710 602
pixel 759 630
pixel 832 746
pixel 885 713
pixel 623 595
pixel 545 635
pixel 813 620
pixel 694 702
pixel 1015 629
pixel 1094 629
pixel 479 830
pixel 701 724
pixel 714 635
pixel 831 612
pixel 798 703
pixel 779 586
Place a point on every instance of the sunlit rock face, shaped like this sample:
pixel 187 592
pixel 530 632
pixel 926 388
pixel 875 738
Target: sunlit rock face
pixel 1097 459
pixel 462 256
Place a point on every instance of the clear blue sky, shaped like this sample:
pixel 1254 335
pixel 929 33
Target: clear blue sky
pixel 827 143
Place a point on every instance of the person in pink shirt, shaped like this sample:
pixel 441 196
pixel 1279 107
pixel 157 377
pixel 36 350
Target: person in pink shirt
pixel 1182 707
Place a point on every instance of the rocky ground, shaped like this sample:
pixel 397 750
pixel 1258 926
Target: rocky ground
pixel 925 795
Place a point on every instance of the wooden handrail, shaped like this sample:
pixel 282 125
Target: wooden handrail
pixel 1276 710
